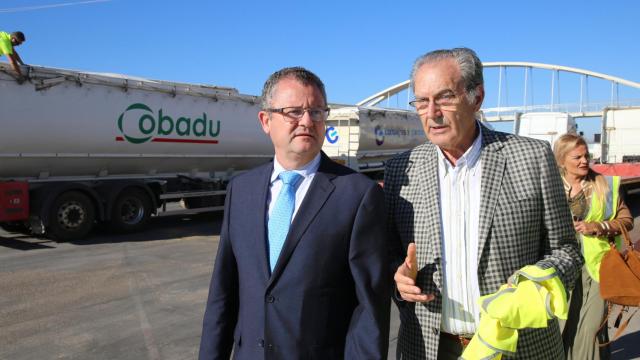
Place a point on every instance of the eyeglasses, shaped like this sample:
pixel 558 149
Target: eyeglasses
pixel 447 102
pixel 295 113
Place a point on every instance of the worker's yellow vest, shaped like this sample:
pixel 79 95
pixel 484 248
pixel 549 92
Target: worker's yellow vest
pixel 532 297
pixel 594 247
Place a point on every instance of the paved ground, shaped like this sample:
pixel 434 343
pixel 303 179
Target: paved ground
pixel 138 296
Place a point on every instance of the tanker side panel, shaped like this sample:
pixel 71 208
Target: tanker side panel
pixel 341 137
pixel 546 126
pixel 80 129
pixel 389 131
pixel 622 135
pixel 365 138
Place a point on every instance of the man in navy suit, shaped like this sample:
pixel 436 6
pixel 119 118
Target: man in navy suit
pixel 301 266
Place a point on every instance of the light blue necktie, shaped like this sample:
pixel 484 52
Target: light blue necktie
pixel 280 218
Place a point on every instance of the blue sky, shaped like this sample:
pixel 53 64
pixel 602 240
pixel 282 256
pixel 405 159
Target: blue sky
pixel 356 47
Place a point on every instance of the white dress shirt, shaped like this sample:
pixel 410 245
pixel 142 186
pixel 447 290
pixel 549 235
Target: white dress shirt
pixel 308 171
pixel 460 215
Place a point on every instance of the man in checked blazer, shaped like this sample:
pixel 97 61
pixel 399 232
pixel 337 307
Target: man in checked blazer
pixel 325 294
pixel 466 210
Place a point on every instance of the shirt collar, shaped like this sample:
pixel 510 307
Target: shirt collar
pixel 584 185
pixel 307 170
pixel 470 157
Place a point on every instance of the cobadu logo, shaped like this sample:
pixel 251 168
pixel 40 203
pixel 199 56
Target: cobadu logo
pixel 331 134
pixel 146 126
pixel 379 135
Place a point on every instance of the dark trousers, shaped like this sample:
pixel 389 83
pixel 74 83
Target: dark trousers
pixel 449 349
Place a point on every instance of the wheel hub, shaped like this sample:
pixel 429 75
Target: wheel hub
pixel 132 211
pixel 71 215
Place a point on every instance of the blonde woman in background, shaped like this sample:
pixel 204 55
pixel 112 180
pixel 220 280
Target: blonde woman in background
pixel 595 202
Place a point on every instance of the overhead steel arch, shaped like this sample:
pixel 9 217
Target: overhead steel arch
pixel 395 89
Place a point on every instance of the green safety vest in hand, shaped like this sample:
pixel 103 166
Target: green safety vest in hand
pixel 532 297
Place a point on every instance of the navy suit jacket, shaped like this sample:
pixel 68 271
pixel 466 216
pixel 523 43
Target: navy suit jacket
pixel 329 294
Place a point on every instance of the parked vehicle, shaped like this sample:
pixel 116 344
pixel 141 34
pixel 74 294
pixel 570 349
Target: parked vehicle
pixel 618 153
pixel 547 126
pixel 363 138
pixel 80 148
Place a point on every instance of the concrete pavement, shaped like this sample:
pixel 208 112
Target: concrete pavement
pixel 135 296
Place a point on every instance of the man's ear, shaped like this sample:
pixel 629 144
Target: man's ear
pixel 479 98
pixel 265 118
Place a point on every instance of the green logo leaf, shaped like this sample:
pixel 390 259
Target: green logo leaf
pixel 133 140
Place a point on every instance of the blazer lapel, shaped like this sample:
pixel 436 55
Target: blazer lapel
pixel 262 190
pixel 427 168
pixel 493 167
pixel 317 194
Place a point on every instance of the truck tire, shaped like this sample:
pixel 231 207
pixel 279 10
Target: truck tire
pixel 131 211
pixel 71 216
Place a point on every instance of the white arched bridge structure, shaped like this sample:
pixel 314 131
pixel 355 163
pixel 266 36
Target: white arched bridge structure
pixel 584 93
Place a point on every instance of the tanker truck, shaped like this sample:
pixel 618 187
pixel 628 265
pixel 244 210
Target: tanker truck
pixel 81 148
pixel 78 148
pixel 364 138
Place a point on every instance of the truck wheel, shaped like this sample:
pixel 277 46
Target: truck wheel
pixel 131 211
pixel 72 216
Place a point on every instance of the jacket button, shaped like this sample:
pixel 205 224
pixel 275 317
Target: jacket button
pixel 261 343
pixel 270 298
pixel 435 331
pixel 269 347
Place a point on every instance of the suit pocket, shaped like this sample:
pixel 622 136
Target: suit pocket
pixel 518 202
pixel 525 207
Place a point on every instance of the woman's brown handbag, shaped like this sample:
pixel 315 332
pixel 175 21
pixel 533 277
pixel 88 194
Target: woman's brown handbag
pixel 620 273
pixel 620 280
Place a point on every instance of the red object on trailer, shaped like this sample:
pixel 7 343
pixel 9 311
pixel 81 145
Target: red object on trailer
pixel 621 169
pixel 14 201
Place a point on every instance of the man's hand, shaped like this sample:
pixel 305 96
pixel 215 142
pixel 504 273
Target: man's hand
pixel 405 278
pixel 13 61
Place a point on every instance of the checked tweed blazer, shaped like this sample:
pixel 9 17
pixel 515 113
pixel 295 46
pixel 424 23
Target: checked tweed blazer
pixel 524 220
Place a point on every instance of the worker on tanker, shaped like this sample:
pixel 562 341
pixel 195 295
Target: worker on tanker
pixel 8 42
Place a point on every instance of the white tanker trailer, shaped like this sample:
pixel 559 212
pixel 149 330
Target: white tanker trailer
pixel 79 148
pixel 363 138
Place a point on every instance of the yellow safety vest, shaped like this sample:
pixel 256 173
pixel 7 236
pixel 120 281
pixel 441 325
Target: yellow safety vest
pixel 6 47
pixel 532 297
pixel 594 247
